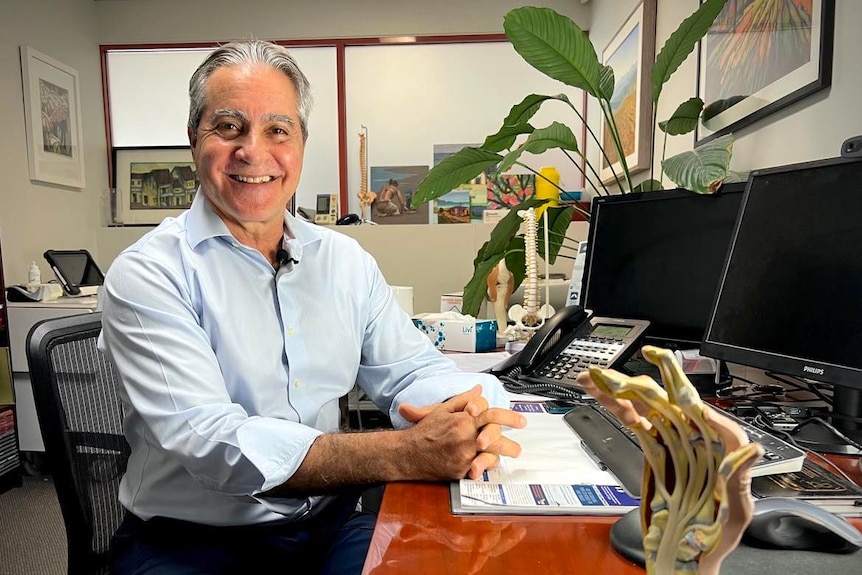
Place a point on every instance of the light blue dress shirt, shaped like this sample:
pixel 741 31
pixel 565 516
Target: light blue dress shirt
pixel 230 370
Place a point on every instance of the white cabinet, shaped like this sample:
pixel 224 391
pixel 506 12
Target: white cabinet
pixel 22 317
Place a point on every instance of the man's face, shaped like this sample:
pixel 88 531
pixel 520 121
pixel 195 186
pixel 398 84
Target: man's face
pixel 248 147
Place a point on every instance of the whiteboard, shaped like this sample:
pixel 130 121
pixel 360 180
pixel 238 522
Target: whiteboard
pixel 412 96
pixel 149 106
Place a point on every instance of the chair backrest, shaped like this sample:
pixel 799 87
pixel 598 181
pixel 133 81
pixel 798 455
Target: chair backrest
pixel 81 418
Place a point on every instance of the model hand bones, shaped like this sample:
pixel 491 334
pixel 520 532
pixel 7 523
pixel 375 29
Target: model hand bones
pixel 696 498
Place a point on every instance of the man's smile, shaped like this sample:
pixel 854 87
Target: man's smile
pixel 252 179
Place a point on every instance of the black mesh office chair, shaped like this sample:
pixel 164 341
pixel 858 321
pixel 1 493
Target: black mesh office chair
pixel 80 414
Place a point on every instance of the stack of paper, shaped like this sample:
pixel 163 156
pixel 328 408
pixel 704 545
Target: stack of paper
pixel 553 476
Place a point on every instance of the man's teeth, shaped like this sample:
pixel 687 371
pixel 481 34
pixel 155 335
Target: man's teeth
pixel 258 180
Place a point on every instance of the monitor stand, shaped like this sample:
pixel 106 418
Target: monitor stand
pixel 817 437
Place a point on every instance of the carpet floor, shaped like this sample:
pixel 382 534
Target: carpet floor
pixel 32 535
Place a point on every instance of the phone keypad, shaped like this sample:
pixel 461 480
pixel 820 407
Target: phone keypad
pixel 580 355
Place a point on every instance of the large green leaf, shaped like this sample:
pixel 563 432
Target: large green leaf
pixel 556 135
pixel 559 219
pixel 477 288
pixel 703 169
pixel 648 186
pixel 555 46
pixel 527 108
pixel 506 228
pixel 505 137
pixel 455 170
pixel 606 82
pixel 682 42
pixel 684 119
pixel 515 261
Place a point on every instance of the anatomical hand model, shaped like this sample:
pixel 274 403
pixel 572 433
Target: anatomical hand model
pixel 696 498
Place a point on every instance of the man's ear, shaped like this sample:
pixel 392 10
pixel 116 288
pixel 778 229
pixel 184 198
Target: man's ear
pixel 193 138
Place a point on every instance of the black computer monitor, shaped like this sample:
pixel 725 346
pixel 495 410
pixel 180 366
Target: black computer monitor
pixel 658 256
pixel 790 298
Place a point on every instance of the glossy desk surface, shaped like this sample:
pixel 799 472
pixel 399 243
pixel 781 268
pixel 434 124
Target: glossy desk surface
pixel 417 535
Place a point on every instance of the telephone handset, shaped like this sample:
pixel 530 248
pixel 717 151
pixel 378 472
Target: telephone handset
pixel 570 342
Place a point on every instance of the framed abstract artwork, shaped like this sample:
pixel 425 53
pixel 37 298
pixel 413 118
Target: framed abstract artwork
pixel 52 110
pixel 760 56
pixel 630 53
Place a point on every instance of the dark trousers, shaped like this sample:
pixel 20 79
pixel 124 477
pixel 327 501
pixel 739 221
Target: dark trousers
pixel 334 543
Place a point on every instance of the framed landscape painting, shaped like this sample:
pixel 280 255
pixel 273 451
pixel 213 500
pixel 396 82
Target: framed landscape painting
pixel 630 53
pixel 760 56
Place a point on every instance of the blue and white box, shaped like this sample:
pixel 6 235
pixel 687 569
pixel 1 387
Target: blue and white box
pixel 455 332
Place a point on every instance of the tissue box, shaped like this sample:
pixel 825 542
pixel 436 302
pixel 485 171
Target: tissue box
pixel 458 334
pixel 453 302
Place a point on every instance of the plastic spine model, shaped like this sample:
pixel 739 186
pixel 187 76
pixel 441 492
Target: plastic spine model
pixel 696 498
pixel 366 198
pixel 530 316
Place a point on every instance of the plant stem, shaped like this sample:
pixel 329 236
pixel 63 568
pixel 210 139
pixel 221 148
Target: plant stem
pixel 593 170
pixel 601 149
pixel 575 206
pixel 605 106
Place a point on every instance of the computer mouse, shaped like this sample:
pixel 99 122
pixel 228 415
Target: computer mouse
pixel 785 523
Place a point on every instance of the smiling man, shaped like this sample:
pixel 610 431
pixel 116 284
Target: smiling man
pixel 235 329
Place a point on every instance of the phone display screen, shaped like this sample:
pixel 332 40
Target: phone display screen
pixel 606 330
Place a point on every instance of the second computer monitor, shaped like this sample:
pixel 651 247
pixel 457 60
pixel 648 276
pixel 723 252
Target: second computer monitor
pixel 658 256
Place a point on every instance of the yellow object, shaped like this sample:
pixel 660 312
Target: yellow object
pixel 546 190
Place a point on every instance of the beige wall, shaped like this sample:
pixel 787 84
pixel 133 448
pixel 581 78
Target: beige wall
pixel 433 259
pixel 34 216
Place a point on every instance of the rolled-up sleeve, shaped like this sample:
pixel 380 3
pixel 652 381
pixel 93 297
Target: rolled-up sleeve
pixel 400 365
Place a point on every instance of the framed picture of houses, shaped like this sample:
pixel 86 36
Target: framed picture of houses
pixel 154 183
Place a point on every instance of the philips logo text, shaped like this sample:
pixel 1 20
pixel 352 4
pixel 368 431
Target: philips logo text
pixel 814 370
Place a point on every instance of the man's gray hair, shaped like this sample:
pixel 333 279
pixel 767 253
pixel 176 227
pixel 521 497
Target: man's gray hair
pixel 249 52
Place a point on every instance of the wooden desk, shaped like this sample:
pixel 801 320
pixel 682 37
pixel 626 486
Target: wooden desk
pixel 417 535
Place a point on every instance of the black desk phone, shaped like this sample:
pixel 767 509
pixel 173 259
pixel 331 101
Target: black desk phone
pixel 570 342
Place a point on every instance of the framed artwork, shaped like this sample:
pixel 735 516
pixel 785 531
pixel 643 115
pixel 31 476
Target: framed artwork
pixel 630 53
pixel 760 56
pixel 154 183
pixel 395 186
pixel 505 191
pixel 52 111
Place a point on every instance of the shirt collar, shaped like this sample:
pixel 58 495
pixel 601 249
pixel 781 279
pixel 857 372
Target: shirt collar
pixel 203 223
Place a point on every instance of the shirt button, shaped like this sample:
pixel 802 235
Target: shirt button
pixel 235 244
pixel 290 331
pixel 296 383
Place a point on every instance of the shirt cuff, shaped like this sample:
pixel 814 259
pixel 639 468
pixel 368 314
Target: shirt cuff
pixel 437 389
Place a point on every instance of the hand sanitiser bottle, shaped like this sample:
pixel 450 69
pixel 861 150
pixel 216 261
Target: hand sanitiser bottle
pixel 34 277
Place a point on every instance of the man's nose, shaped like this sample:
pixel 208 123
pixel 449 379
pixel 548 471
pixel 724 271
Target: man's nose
pixel 250 146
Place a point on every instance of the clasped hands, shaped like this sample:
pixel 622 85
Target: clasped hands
pixel 460 437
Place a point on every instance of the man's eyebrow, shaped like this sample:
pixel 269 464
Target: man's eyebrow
pixel 279 118
pixel 228 113
pixel 239 114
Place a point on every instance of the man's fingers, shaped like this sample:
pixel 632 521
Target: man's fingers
pixel 481 462
pixel 414 414
pixel 459 402
pixel 492 440
pixel 476 406
pixel 500 416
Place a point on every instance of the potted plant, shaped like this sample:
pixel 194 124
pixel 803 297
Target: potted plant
pixel 557 47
